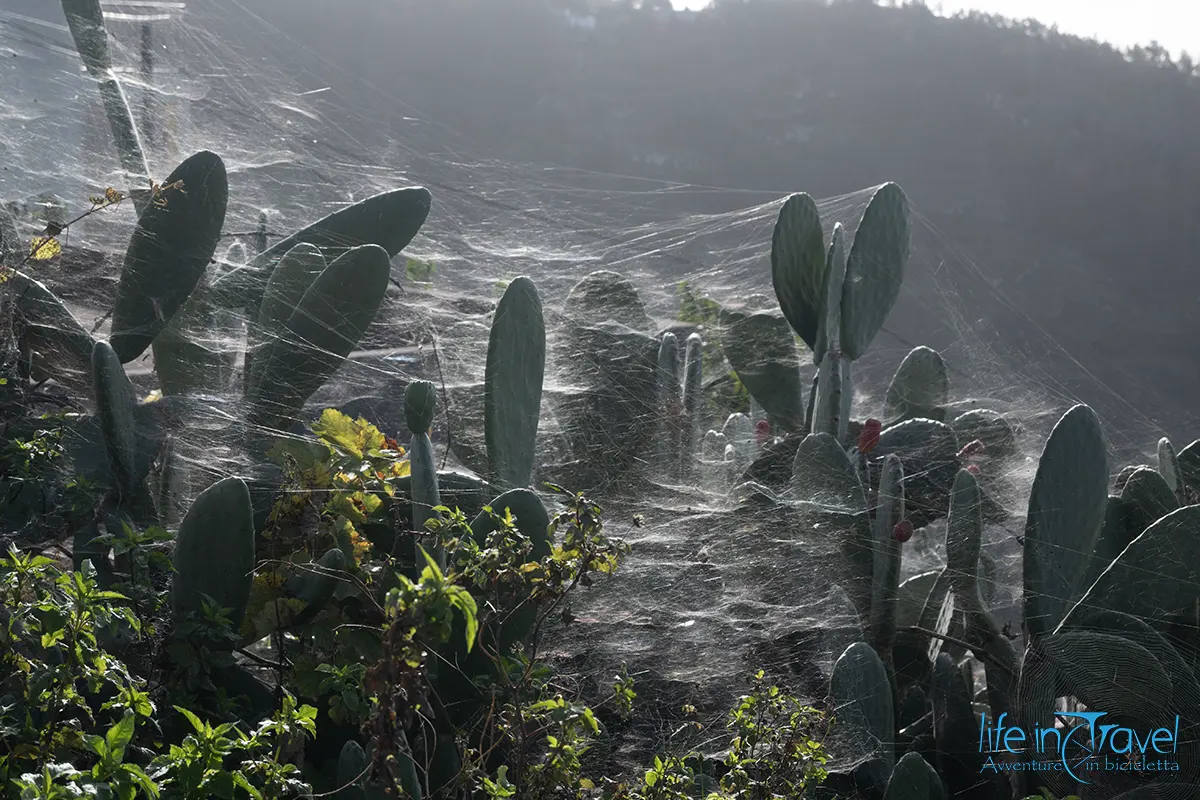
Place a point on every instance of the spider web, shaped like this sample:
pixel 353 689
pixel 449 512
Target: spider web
pixel 714 589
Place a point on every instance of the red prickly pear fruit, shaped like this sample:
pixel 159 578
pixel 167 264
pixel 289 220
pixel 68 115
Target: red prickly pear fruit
pixel 972 448
pixel 903 531
pixel 973 469
pixel 762 432
pixel 868 437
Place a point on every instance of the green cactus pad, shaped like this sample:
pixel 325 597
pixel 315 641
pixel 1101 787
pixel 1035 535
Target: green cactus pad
pixel 1185 689
pixel 605 296
pixel 889 511
pixel 115 408
pixel 295 273
pixel 929 451
pixel 1168 463
pixel 1112 673
pixel 171 247
pixel 325 328
pixel 798 265
pixel 1157 577
pixel 388 220
pixel 875 268
pixel 351 771
pixel 420 406
pixel 862 698
pixel 761 348
pixel 829 414
pixel 62 347
pixel 1188 460
pixel 512 384
pixel 1148 497
pixel 955 727
pixel 1115 536
pixel 964 531
pixel 919 388
pixel 829 331
pixel 824 479
pixel 214 551
pixel 316 585
pixel 823 475
pixel 1066 510
pixel 914 779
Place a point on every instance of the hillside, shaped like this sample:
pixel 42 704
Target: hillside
pixel 1065 168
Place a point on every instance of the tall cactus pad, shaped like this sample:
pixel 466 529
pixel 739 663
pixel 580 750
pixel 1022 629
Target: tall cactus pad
pixel 862 699
pixel 1157 577
pixel 693 385
pixel 889 511
pixel 829 329
pixel 828 416
pixel 824 478
pixel 114 406
pixel 761 348
pixel 1110 672
pixel 420 405
pixel 388 220
pixel 919 388
pixel 296 272
pixel 1147 497
pixel 214 551
pixel 325 327
pixel 512 384
pixel 61 346
pixel 1168 463
pixel 914 779
pixel 172 245
pixel 1066 510
pixel 964 531
pixel 1188 461
pixel 875 268
pixel 798 265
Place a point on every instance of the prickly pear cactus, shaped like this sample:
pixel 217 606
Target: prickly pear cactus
pixel 761 348
pixel 114 407
pixel 516 363
pixel 914 779
pixel 798 265
pixel 59 346
pixel 693 398
pixel 889 512
pixel 171 247
pixel 388 220
pixel 325 327
pixel 829 329
pixel 920 387
pixel 420 404
pixel 214 551
pixel 295 273
pixel 1147 497
pixel 862 699
pixel 874 268
pixel 1066 509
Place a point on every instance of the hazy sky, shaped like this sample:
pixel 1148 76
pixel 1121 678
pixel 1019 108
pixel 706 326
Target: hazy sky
pixel 1174 23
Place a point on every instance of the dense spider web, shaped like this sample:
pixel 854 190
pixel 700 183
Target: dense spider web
pixel 711 591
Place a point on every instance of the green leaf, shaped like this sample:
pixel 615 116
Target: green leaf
pixel 119 736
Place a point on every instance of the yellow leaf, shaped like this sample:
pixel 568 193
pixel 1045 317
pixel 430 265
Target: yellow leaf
pixel 44 247
pixel 153 397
